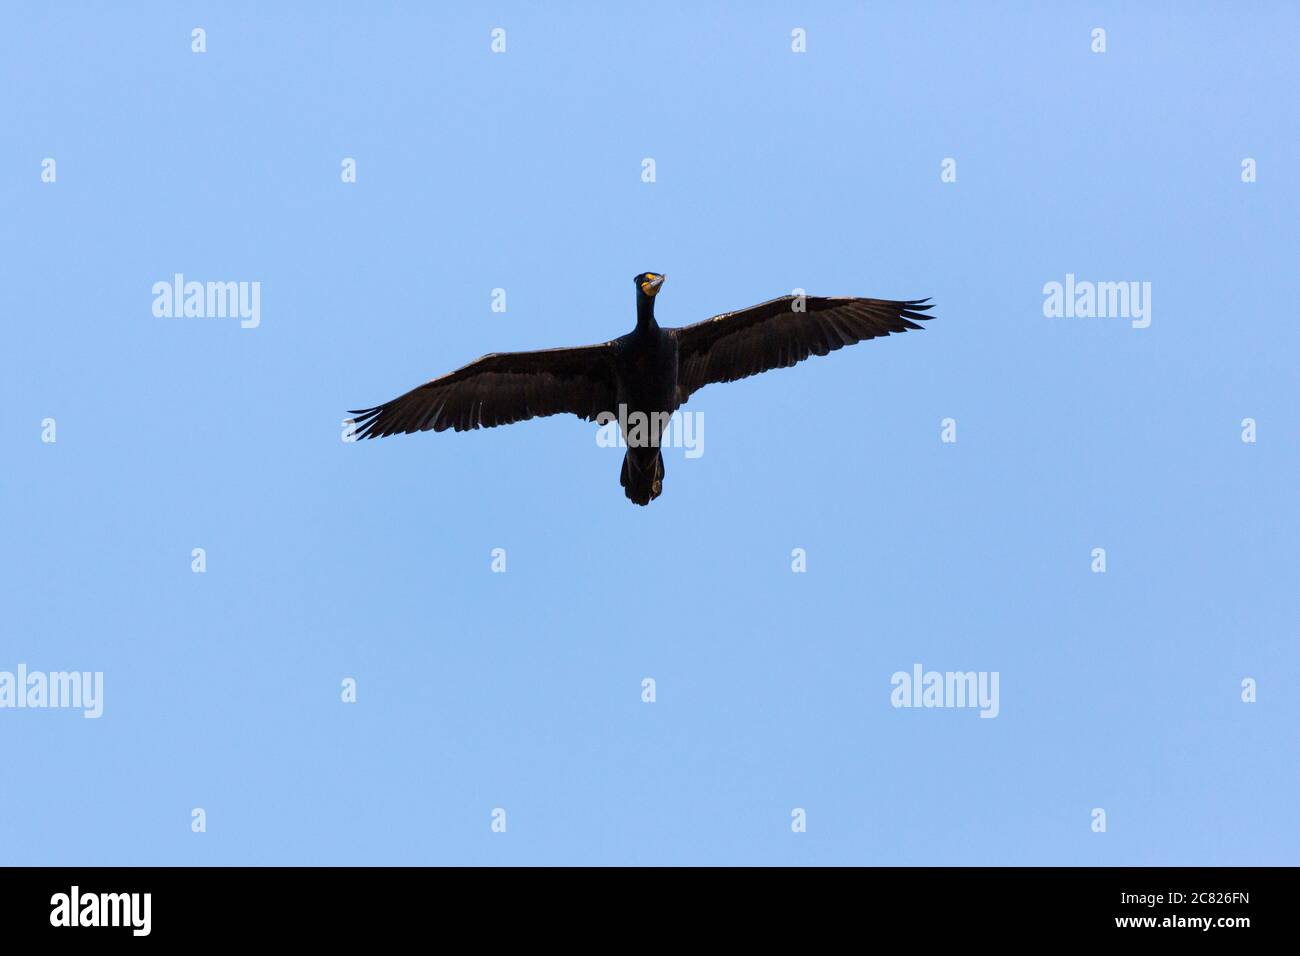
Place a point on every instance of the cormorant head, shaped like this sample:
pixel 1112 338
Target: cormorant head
pixel 648 284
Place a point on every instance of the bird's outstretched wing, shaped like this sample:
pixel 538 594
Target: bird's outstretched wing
pixel 499 389
pixel 778 333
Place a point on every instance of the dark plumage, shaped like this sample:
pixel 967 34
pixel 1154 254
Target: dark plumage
pixel 649 370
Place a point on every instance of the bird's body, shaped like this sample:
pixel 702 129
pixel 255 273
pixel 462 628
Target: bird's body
pixel 645 366
pixel 649 372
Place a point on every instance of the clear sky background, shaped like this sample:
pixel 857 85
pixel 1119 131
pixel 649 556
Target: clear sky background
pixel 328 560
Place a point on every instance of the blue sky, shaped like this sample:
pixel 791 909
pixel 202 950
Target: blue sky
pixel 477 690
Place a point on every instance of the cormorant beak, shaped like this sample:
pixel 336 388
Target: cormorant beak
pixel 651 286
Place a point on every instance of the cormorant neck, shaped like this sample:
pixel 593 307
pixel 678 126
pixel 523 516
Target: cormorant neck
pixel 645 314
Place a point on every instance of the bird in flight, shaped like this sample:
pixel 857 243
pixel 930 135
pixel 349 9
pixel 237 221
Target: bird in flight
pixel 651 371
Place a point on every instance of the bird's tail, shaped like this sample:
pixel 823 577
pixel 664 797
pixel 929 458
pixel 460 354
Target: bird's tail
pixel 643 475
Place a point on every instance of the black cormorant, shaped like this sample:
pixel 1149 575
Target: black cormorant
pixel 650 370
